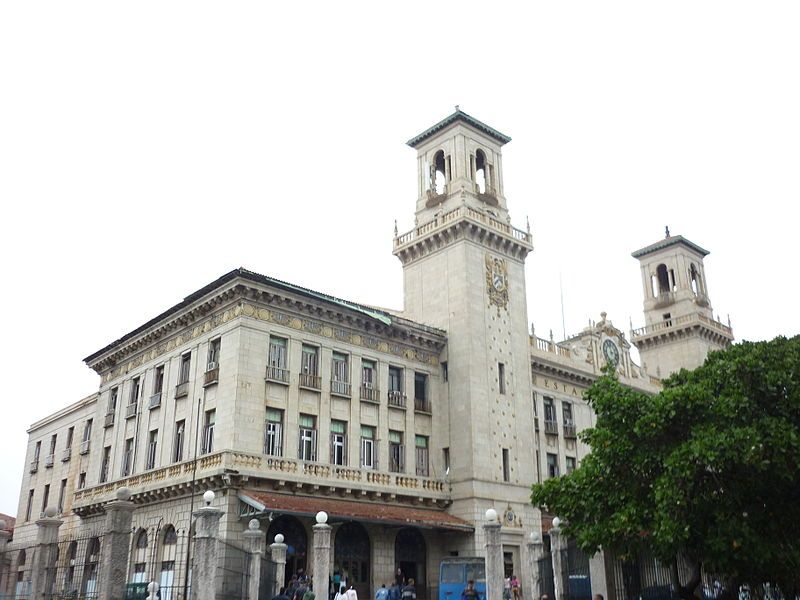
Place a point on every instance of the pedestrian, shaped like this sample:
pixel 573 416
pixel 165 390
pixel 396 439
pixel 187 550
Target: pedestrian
pixel 470 593
pixel 507 588
pixel 398 578
pixel 516 590
pixel 351 594
pixel 341 594
pixel 409 591
pixel 309 595
pixel 282 595
pixel 394 592
pixel 382 593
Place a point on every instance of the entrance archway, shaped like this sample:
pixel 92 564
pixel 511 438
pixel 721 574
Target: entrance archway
pixel 296 540
pixel 351 556
pixel 410 556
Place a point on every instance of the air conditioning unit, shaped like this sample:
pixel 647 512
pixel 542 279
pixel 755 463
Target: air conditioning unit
pixel 211 366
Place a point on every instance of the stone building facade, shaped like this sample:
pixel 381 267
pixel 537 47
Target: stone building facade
pixel 405 427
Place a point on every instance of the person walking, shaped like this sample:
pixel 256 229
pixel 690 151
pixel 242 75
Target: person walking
pixel 470 593
pixel 341 594
pixel 409 591
pixel 382 593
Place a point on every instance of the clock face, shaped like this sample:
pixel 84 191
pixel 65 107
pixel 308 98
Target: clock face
pixel 611 352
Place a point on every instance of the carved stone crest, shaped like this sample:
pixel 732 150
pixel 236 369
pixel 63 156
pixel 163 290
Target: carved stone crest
pixel 497 282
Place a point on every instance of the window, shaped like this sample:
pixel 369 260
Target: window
pixel 446 459
pixel 158 382
pixel 69 578
pixel 368 448
pixel 50 458
pixel 340 374
pixel 168 556
pixel 421 392
pixel 552 465
pixel 45 498
pixel 70 435
pixel 208 431
pixel 37 451
pixel 140 558
pixel 338 443
pixel 506 466
pixel 29 508
pixel 87 435
pixel 550 419
pixel 104 464
pixel 501 377
pixel 421 447
pixel 127 458
pixel 213 354
pixel 309 367
pixel 89 585
pixel 180 434
pixel 186 363
pixel 277 364
pixel 112 401
pixel 62 492
pixel 81 480
pixel 395 395
pixel 396 452
pixel 152 449
pixel 569 423
pixel 273 434
pixel 308 438
pixel 369 378
pixel 571 464
pixel 445 371
pixel 135 385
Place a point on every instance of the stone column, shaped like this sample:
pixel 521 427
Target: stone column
pixel 535 551
pixel 45 555
pixel 113 567
pixel 205 555
pixel 322 555
pixel 494 556
pixel 254 542
pixel 601 573
pixel 278 552
pixel 560 576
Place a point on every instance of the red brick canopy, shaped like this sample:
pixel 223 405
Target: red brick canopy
pixel 372 512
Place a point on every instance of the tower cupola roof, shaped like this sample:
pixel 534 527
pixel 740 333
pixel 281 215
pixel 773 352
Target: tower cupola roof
pixel 459 116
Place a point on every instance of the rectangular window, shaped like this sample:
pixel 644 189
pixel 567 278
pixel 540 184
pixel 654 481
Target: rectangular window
pixel 309 367
pixel 104 464
pixel 369 379
pixel 550 419
pixel 277 363
pixel 53 441
pixel 29 508
pixel 552 465
pixel 446 460
pixel 338 443
pixel 340 374
pixel 501 377
pixel 571 463
pixel 180 435
pixel 62 493
pixel 81 480
pixel 135 385
pixel 139 573
pixel 45 498
pixel 70 435
pixel 37 451
pixel 113 397
pixel 87 431
pixel 368 448
pixel 506 466
pixel 273 435
pixel 308 438
pixel 421 447
pixel 158 381
pixel 208 431
pixel 186 363
pixel 50 458
pixel 445 373
pixel 213 354
pixel 127 458
pixel 396 452
pixel 569 423
pixel 421 401
pixel 395 379
pixel 152 450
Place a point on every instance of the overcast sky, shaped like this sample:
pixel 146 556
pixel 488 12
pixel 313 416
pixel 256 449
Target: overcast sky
pixel 147 148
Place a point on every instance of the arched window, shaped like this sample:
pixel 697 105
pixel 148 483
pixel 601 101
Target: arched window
pixel 90 568
pixel 410 556
pixel 694 279
pixel 480 171
pixel 169 547
pixel 351 555
pixel 22 558
pixel 296 540
pixel 69 576
pixel 140 557
pixel 663 279
pixel 439 172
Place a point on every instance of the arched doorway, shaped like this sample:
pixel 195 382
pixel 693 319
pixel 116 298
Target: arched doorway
pixel 410 556
pixel 296 540
pixel 351 556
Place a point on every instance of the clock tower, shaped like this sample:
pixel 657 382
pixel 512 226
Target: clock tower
pixel 463 268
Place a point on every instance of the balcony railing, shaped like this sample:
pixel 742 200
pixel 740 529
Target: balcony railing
pixel 130 410
pixel 422 405
pixel 182 389
pixel 155 400
pixel 109 419
pixel 369 393
pixel 49 460
pixel 340 388
pixel 312 382
pixel 278 374
pixel 663 326
pixel 84 447
pixel 569 431
pixel 66 455
pixel 396 398
pixel 212 375
pixel 551 427
pixel 34 465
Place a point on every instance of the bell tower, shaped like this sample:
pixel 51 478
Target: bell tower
pixel 463 271
pixel 680 328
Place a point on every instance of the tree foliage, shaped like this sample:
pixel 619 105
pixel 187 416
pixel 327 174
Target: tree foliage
pixel 706 470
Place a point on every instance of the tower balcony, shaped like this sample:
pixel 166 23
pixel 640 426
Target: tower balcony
pixel 678 326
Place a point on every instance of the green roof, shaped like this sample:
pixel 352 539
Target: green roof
pixel 463 117
pixel 672 240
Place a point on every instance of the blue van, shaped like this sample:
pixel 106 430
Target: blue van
pixel 456 571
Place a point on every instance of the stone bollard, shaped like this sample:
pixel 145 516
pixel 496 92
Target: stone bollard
pixel 494 556
pixel 558 543
pixel 254 542
pixel 116 547
pixel 205 555
pixel 278 552
pixel 45 555
pixel 322 555
pixel 152 591
pixel 535 550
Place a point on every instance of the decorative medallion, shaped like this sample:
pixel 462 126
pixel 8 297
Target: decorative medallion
pixel 510 518
pixel 497 282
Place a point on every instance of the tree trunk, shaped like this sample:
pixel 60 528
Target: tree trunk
pixel 688 591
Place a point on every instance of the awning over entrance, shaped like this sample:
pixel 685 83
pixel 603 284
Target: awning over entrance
pixel 370 512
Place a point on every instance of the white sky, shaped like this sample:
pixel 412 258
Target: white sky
pixel 147 148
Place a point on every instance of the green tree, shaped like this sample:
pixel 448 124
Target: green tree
pixel 707 471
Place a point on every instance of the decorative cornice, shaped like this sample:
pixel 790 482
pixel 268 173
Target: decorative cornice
pixel 459 116
pixel 675 240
